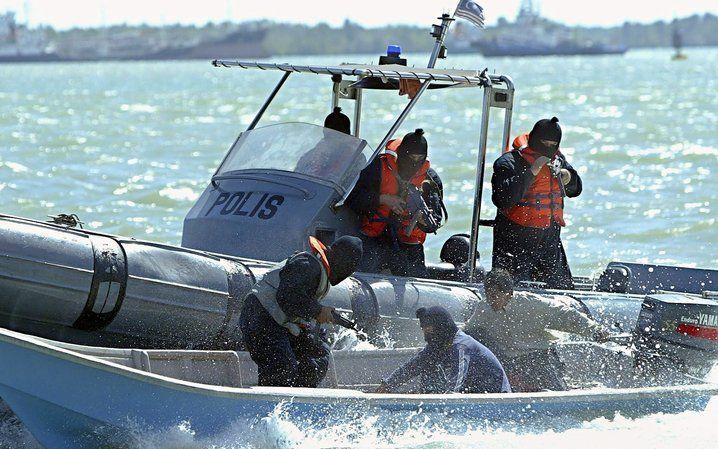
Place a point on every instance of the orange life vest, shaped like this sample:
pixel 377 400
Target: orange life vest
pixel 374 224
pixel 320 250
pixel 542 202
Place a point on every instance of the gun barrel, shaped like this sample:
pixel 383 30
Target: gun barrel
pixel 343 322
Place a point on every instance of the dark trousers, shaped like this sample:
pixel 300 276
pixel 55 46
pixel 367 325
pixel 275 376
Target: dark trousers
pixel 400 259
pixel 531 254
pixel 536 371
pixel 283 360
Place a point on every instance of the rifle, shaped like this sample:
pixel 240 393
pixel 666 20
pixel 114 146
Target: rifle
pixel 555 168
pixel 418 209
pixel 343 322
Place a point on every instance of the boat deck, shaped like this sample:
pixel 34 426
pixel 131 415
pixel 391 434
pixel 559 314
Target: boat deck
pixel 588 365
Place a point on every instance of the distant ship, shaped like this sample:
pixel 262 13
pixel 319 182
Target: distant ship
pixel 20 44
pixel 530 35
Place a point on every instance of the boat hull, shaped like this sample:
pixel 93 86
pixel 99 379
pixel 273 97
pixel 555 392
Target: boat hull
pixel 70 400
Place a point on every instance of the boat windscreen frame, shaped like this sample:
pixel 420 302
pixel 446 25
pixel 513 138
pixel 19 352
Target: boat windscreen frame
pixel 342 185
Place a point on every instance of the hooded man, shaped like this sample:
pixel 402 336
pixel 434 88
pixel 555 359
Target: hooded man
pixel 451 362
pixel 517 327
pixel 330 154
pixel 393 234
pixel 529 184
pixel 337 121
pixel 281 317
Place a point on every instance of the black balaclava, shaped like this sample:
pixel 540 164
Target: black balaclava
pixel 343 257
pixel 338 121
pixel 412 143
pixel 440 319
pixel 545 130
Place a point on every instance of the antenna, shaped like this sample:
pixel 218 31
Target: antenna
pixel 26 13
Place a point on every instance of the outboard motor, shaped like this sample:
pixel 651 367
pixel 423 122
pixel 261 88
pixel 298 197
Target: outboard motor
pixel 677 332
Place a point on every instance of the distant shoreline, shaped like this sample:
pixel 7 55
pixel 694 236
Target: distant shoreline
pixel 57 60
pixel 264 39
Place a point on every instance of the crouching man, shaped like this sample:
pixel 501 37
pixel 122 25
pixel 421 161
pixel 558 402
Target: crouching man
pixel 451 362
pixel 517 327
pixel 281 317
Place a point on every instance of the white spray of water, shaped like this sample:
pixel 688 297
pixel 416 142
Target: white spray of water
pixel 694 430
pixel 348 339
pixel 690 429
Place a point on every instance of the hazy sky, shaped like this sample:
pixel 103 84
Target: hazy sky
pixel 71 13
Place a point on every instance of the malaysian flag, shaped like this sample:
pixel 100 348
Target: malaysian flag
pixel 471 11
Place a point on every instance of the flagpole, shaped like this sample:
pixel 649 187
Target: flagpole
pixel 439 32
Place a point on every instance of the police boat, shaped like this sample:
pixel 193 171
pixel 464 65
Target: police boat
pixel 70 298
pixel 86 287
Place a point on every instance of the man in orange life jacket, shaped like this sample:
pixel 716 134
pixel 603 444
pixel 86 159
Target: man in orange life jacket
pixel 526 190
pixel 280 319
pixel 380 198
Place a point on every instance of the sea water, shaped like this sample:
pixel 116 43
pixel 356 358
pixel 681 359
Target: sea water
pixel 130 146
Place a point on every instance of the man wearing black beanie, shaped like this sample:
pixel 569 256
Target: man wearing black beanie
pixel 529 184
pixel 393 235
pixel 451 362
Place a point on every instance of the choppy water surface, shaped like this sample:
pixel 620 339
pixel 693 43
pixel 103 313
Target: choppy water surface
pixel 130 146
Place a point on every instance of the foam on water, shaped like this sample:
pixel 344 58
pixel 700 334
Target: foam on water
pixel 694 430
pixel 417 430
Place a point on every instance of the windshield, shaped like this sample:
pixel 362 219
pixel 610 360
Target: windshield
pixel 300 148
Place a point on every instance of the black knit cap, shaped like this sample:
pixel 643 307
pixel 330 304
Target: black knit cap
pixel 413 143
pixel 338 121
pixel 343 256
pixel 545 130
pixel 440 319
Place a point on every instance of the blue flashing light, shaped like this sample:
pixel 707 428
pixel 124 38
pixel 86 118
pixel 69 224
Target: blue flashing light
pixel 393 50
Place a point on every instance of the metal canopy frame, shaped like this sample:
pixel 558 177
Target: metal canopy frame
pixel 498 93
pixel 468 77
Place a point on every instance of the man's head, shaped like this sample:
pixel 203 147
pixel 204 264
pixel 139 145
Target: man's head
pixel 343 256
pixel 437 324
pixel 499 288
pixel 545 137
pixel 411 154
pixel 338 121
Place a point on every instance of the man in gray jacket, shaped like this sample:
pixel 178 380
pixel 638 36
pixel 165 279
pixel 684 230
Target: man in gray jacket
pixel 517 327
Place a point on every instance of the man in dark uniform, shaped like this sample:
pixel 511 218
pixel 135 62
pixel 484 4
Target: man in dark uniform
pixel 393 238
pixel 281 317
pixel 529 185
pixel 451 362
pixel 337 121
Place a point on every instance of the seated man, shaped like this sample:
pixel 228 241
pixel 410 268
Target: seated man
pixel 515 325
pixel 451 362
pixel 281 317
pixel 392 233
pixel 325 157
